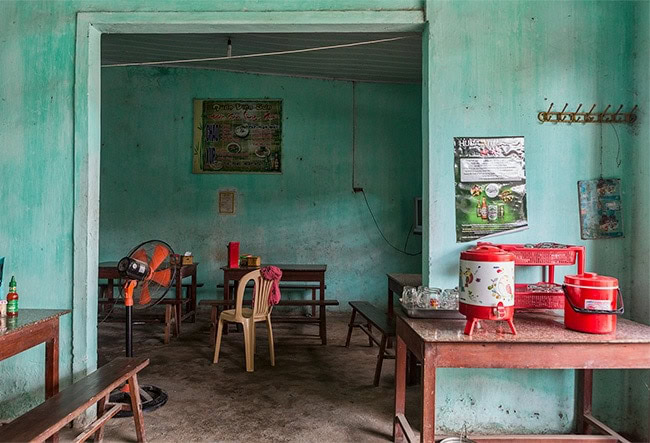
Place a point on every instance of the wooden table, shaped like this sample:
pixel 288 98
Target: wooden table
pixel 294 273
pixel 108 270
pixel 31 328
pixel 396 283
pixel 542 342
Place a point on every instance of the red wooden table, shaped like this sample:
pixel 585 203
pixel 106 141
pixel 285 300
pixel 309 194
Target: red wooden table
pixel 33 327
pixel 294 273
pixel 542 342
pixel 108 270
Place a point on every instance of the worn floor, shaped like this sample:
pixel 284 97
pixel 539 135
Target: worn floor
pixel 314 393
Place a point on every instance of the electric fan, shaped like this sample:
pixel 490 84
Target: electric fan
pixel 147 274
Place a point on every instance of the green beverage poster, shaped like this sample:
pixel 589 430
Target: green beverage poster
pixel 490 176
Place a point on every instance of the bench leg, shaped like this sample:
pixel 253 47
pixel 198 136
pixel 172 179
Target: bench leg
pixel 177 319
pixel 350 327
pixel 136 407
pixel 101 406
pixel 213 325
pixel 380 359
pixel 369 326
pixel 313 307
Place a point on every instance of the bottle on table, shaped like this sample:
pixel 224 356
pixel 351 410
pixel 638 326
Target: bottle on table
pixel 12 299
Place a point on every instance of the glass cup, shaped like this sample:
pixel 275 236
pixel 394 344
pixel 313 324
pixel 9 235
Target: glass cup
pixel 428 298
pixel 409 296
pixel 449 299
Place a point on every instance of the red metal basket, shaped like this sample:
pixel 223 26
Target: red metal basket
pixel 528 297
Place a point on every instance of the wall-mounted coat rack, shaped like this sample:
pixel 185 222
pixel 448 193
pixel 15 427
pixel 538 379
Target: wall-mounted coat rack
pixel 576 116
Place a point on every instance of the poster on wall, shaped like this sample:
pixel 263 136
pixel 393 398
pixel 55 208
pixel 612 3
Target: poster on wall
pixel 237 136
pixel 600 208
pixel 490 176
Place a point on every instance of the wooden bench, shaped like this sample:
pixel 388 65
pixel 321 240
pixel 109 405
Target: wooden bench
pixel 380 321
pixel 218 305
pixel 45 420
pixel 289 286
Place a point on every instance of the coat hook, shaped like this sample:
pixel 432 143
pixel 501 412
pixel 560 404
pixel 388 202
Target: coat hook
pixel 631 116
pixel 545 116
pixel 588 117
pixel 561 116
pixel 602 117
pixel 574 116
pixel 615 116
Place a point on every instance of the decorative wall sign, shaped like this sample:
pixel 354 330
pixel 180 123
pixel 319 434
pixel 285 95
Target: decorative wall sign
pixel 227 202
pixel 600 208
pixel 237 136
pixel 490 175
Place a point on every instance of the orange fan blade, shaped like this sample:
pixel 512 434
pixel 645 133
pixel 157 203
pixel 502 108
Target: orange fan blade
pixel 160 253
pixel 145 297
pixel 141 255
pixel 163 278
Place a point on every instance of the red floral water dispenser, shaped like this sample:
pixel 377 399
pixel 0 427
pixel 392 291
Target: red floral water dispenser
pixel 487 283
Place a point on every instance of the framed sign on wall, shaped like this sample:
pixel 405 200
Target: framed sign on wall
pixel 237 136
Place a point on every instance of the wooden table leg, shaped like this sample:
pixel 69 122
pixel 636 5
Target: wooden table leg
pixel 400 387
pixel 428 400
pixel 52 362
pixel 584 385
pixel 193 296
pixel 226 296
pixel 322 314
pixel 109 292
pixel 179 305
pixel 136 407
pixel 52 368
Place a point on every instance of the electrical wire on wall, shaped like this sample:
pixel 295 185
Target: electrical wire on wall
pixel 229 55
pixel 374 219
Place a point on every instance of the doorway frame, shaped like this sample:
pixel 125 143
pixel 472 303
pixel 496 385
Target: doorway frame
pixel 87 120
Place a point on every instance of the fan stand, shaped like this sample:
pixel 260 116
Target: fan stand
pixel 151 397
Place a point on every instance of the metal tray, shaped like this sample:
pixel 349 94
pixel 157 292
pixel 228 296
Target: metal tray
pixel 452 314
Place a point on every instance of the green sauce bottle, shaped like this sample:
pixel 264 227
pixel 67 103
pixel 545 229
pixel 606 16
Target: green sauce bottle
pixel 12 299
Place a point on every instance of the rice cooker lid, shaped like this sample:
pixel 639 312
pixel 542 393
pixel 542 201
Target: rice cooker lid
pixel 590 280
pixel 487 253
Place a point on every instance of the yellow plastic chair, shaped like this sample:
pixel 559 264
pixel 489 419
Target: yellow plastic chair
pixel 247 317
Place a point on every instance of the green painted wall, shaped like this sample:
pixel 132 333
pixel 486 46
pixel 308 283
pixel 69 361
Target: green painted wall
pixel 492 67
pixel 37 53
pixel 308 214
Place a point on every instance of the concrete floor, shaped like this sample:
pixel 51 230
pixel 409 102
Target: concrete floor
pixel 314 393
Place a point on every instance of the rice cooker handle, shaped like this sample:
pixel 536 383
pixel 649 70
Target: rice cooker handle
pixel 595 311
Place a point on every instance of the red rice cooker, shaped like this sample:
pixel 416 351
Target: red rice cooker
pixel 487 285
pixel 591 303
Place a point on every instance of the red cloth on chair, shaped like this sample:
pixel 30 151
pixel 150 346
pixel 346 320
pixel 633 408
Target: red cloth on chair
pixel 273 273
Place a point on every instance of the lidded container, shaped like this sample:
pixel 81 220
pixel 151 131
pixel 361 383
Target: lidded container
pixel 487 285
pixel 591 303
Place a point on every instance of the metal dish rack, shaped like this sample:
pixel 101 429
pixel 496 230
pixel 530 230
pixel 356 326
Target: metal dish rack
pixel 545 294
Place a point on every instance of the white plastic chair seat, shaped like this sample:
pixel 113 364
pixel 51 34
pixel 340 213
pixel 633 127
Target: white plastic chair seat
pixel 229 315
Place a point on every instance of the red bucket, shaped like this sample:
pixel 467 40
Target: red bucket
pixel 591 303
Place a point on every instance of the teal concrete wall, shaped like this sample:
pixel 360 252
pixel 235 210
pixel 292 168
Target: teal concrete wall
pixel 37 54
pixel 308 214
pixel 492 67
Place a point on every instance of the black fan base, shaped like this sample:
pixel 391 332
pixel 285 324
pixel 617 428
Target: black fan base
pixel 153 398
